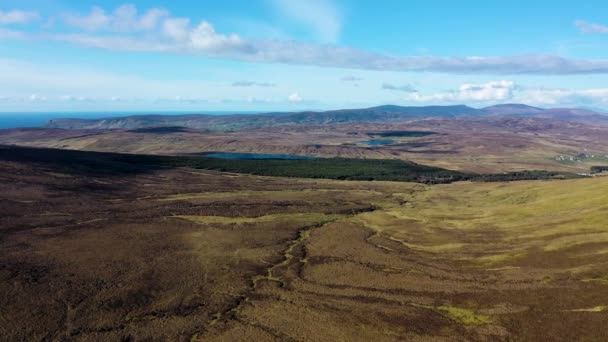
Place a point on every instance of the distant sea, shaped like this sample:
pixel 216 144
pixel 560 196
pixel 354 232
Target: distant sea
pixel 19 120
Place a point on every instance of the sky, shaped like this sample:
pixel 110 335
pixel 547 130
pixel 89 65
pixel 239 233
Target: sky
pixel 288 55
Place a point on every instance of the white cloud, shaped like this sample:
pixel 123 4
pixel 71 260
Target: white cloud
pixel 72 98
pixel 322 16
pixel 10 34
pixel 252 99
pixel 176 28
pixel 163 32
pixel 295 97
pixel 17 17
pixel 156 31
pixel 252 84
pixel 507 91
pixel 96 20
pixel 565 96
pixel 114 42
pixel 69 86
pixel 202 37
pixel 23 78
pixel 587 27
pixel 25 84
pixel 408 88
pixel 495 91
pixel 205 38
pixel 125 18
pixel 351 78
pixel 184 99
pixel 37 98
pixel 67 98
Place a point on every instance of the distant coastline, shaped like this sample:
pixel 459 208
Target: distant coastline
pixel 38 119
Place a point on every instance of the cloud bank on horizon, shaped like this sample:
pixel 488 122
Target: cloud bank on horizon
pixel 313 42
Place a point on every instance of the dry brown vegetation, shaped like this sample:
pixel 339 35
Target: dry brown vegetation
pixel 190 255
pixel 499 144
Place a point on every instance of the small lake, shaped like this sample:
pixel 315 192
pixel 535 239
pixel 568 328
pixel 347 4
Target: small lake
pixel 256 156
pixel 378 142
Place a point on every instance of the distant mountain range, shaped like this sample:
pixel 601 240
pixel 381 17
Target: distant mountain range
pixel 386 113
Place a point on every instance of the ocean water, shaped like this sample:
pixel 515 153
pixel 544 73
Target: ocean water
pixel 19 120
pixel 15 120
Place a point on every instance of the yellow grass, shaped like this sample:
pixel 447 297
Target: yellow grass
pixel 461 315
pixel 600 308
pixel 498 223
pixel 292 218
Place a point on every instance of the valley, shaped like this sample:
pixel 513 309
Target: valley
pixel 104 252
pixel 500 143
pixel 412 230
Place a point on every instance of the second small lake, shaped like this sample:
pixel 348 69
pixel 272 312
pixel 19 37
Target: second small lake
pixel 378 142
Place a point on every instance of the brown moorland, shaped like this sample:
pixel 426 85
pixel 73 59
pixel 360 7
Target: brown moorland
pixel 183 254
pixel 500 143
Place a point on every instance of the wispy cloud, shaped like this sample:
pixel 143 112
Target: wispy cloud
pixel 24 82
pixel 253 99
pixel 508 91
pixel 70 86
pixel 351 78
pixel 123 19
pixel 322 16
pixel 408 88
pixel 72 98
pixel 37 98
pixel 205 40
pixel 21 77
pixel 182 99
pixel 17 17
pixel 11 34
pixel 568 97
pixel 587 27
pixel 492 91
pixel 155 30
pixel 252 84
pixel 295 97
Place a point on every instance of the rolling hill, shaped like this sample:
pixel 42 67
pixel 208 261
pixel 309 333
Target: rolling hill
pixel 240 121
pixel 103 250
pixel 513 109
pixel 386 113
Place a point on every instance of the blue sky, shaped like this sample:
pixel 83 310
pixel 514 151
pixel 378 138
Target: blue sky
pixel 59 55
